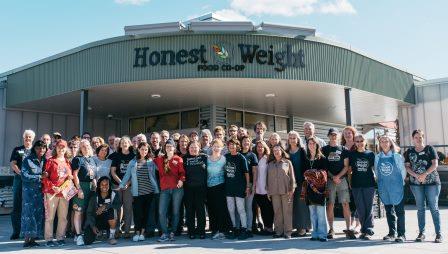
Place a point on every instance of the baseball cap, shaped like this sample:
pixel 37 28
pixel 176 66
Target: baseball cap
pixel 61 142
pixel 57 134
pixel 332 131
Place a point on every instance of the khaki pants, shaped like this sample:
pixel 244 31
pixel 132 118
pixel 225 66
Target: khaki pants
pixel 282 214
pixel 51 206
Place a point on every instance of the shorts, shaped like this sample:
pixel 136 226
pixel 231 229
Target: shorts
pixel 102 220
pixel 341 190
pixel 80 205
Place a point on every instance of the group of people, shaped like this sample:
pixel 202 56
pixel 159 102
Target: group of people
pixel 245 186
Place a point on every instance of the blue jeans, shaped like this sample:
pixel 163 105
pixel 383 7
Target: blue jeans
pixel 16 213
pixel 430 194
pixel 318 216
pixel 175 197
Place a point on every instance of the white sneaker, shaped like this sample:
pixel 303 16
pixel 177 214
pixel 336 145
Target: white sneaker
pixel 216 236
pixel 75 238
pixel 141 238
pixel 221 236
pixel 135 238
pixel 80 241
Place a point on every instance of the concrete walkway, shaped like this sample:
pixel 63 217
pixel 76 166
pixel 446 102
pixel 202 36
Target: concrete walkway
pixel 257 244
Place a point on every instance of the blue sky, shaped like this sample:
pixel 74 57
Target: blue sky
pixel 409 34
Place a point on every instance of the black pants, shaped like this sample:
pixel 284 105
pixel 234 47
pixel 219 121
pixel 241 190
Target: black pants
pixel 217 209
pixel 195 209
pixel 141 206
pixel 364 205
pixel 395 218
pixel 267 211
pixel 153 215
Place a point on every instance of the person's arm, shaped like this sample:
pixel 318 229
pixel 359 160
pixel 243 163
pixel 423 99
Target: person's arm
pixel 255 175
pixel 246 175
pixel 181 172
pixel 13 162
pixel 127 176
pixel 113 173
pixel 292 180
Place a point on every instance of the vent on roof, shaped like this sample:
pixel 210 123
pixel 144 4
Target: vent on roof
pixel 222 26
pixel 154 28
pixel 289 31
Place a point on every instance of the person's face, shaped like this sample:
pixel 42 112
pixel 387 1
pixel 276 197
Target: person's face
pixel 183 143
pixel 219 135
pixel 246 144
pixel 103 152
pixel 28 139
pixel 259 129
pixel 216 148
pixel 74 146
pixel 116 143
pixel 260 148
pixel 86 136
pixel 293 139
pixel 360 143
pixel 385 144
pixel 232 148
pixel 125 145
pixel 143 151
pixel 135 143
pixel 205 139
pixel 233 131
pixel 40 151
pixel 242 132
pixel 84 149
pixel 277 152
pixel 312 145
pixel 165 137
pixel 169 149
pixel 194 137
pixel 111 141
pixel 46 139
pixel 61 150
pixel 308 130
pixel 96 143
pixel 104 186
pixel 274 139
pixel 333 137
pixel 348 135
pixel 155 140
pixel 418 139
pixel 194 149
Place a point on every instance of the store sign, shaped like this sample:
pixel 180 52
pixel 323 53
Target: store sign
pixel 223 55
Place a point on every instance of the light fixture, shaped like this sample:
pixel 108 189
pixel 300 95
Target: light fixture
pixel 89 108
pixel 269 95
pixel 155 96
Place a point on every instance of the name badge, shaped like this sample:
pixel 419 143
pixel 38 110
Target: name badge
pixel 107 201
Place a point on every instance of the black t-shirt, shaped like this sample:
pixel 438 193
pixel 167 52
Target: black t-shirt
pixel 320 163
pixel 195 171
pixel 234 176
pixel 420 163
pixel 86 166
pixel 19 154
pixel 335 158
pixel 362 169
pixel 121 161
pixel 252 161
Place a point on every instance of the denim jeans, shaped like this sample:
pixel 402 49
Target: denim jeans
pixel 16 213
pixel 395 218
pixel 318 216
pixel 249 213
pixel 173 196
pixel 430 194
pixel 364 206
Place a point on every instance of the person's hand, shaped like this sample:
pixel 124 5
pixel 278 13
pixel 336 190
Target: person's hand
pixel 247 191
pixel 44 174
pixel 421 178
pixel 290 196
pixel 100 210
pixel 95 230
pixel 336 180
pixel 70 177
pixel 125 187
pixel 180 184
pixel 254 188
pixel 81 194
pixel 56 189
pixel 269 198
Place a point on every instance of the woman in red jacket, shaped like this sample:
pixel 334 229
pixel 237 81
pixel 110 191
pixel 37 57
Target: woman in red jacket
pixel 57 171
pixel 172 177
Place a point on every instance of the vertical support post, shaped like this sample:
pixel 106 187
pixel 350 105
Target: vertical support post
pixel 84 104
pixel 3 122
pixel 348 106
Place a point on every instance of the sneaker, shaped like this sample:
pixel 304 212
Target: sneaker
pixel 330 234
pixel 163 238
pixel 439 238
pixel 370 232
pixel 221 236
pixel 141 237
pixel 34 244
pixel 362 236
pixel 80 241
pixel 50 244
pixel 232 235
pixel 314 239
pixel 250 235
pixel 323 239
pixel 61 242
pixel 172 237
pixel 420 238
pixel 112 241
pixel 389 237
pixel 202 236
pixel 27 245
pixel 400 239
pixel 350 234
pixel 287 237
pixel 135 238
pixel 366 237
pixel 75 238
pixel 216 236
pixel 243 234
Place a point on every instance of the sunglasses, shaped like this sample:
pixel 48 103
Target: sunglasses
pixel 359 141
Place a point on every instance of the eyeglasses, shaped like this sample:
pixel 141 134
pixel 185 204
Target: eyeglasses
pixel 359 141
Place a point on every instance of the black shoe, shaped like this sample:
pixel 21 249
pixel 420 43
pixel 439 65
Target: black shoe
pixel 323 239
pixel 243 234
pixel 61 242
pixel 370 232
pixel 249 234
pixel 276 236
pixel 439 238
pixel 149 234
pixel 14 237
pixel 34 244
pixel 27 245
pixel 50 244
pixel 420 238
pixel 330 234
pixel 202 236
pixel 400 239
pixel 362 236
pixel 314 239
pixel 349 234
pixel 192 237
pixel 389 237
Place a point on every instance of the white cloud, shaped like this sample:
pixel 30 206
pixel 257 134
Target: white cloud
pixel 132 2
pixel 231 15
pixel 291 8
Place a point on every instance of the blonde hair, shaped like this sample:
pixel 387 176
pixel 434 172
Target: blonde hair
pixel 300 144
pixel 393 146
pixel 86 143
pixel 218 142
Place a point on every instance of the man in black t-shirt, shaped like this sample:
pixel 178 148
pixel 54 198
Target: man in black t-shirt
pixel 17 156
pixel 337 184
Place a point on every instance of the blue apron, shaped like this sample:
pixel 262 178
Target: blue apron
pixel 390 181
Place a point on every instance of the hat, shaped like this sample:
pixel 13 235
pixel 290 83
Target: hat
pixel 194 132
pixel 57 134
pixel 61 142
pixel 170 142
pixel 332 131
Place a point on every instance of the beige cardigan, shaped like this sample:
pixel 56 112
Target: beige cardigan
pixel 280 179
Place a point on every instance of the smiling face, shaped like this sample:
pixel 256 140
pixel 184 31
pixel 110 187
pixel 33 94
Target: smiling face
pixel 143 151
pixel 418 139
pixel 232 148
pixel 28 140
pixel 104 186
pixel 194 149
pixel 348 135
pixel 103 152
pixel 277 152
pixel 360 143
pixel 40 151
pixel 260 148
pixel 246 144
pixel 385 144
pixel 308 130
pixel 169 149
pixel 312 146
pixel 293 139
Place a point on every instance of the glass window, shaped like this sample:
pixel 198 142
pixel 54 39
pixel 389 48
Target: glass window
pixel 252 118
pixel 136 126
pixel 281 124
pixel 162 122
pixel 234 117
pixel 190 119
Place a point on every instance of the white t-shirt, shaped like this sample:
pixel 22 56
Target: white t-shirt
pixel 262 175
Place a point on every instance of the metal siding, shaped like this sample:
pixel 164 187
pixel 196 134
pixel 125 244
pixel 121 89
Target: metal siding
pixel 59 124
pixel 13 134
pixel 113 63
pixel 72 126
pixel 45 123
pixel 29 121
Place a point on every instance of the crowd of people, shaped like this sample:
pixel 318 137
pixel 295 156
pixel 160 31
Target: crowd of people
pixel 244 185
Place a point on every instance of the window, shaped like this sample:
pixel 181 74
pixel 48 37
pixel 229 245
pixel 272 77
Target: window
pixel 234 117
pixel 252 118
pixel 162 122
pixel 190 119
pixel 281 124
pixel 136 126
